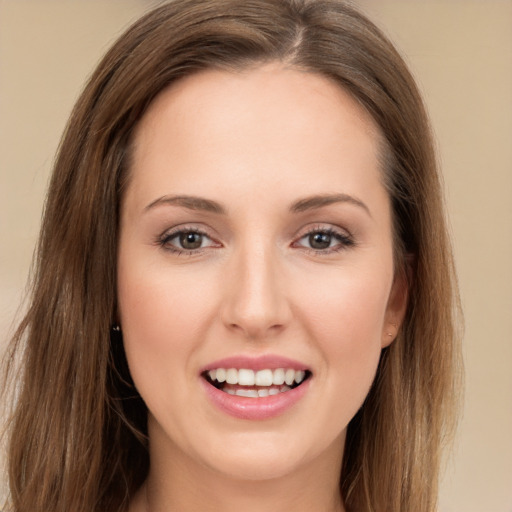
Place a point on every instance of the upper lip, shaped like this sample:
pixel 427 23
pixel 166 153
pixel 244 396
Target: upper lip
pixel 263 362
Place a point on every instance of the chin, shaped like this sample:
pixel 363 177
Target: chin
pixel 252 467
pixel 268 456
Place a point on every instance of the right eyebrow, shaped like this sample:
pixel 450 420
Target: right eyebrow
pixel 189 202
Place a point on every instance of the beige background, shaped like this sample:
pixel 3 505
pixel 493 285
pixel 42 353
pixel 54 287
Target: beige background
pixel 461 53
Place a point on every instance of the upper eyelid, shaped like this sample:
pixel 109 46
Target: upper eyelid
pixel 317 227
pixel 176 231
pixel 186 228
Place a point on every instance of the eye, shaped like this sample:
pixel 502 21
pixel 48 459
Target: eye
pixel 185 241
pixel 320 240
pixel 325 240
pixel 190 240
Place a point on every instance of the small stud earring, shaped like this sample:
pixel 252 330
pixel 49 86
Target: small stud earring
pixel 116 328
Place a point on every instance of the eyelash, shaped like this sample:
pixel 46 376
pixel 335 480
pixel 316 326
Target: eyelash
pixel 164 241
pixel 345 241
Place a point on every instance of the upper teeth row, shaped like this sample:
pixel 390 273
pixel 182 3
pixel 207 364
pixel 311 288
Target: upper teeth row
pixel 245 377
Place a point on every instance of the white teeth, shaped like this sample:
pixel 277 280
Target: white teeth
pixel 232 376
pixel 278 378
pixel 263 378
pixel 299 376
pixel 256 393
pixel 247 377
pixel 250 393
pixel 289 376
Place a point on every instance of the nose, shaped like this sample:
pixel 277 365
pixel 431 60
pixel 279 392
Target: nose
pixel 255 301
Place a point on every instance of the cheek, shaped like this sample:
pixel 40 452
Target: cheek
pixel 346 321
pixel 163 318
pixel 352 307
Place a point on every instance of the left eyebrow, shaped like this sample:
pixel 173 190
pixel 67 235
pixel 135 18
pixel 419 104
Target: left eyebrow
pixel 319 201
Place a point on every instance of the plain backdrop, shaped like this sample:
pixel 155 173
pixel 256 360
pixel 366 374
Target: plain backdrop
pixel 460 52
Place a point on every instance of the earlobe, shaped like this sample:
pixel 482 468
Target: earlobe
pixel 391 332
pixel 396 308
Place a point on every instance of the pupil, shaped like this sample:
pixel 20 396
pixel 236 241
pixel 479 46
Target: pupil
pixel 190 240
pixel 320 240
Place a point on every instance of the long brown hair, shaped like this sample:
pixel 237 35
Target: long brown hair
pixel 78 432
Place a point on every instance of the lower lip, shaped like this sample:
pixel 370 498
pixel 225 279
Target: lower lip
pixel 261 408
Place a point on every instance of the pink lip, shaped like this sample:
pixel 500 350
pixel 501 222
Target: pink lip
pixel 269 361
pixel 261 408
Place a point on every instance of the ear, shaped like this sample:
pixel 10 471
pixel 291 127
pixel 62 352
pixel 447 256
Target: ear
pixel 396 307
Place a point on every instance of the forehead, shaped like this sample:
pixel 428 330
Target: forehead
pixel 269 122
pixel 264 87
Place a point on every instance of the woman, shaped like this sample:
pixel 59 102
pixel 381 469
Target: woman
pixel 244 294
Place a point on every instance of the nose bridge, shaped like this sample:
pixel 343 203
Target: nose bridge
pixel 256 302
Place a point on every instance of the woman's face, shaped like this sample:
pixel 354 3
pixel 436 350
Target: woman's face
pixel 255 246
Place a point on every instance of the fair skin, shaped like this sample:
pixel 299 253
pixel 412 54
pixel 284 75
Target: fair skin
pixel 255 227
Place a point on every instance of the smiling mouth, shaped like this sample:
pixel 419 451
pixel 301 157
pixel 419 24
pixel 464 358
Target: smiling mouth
pixel 255 384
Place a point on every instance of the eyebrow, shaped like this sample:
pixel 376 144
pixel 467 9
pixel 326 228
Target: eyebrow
pixel 302 205
pixel 313 202
pixel 190 202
